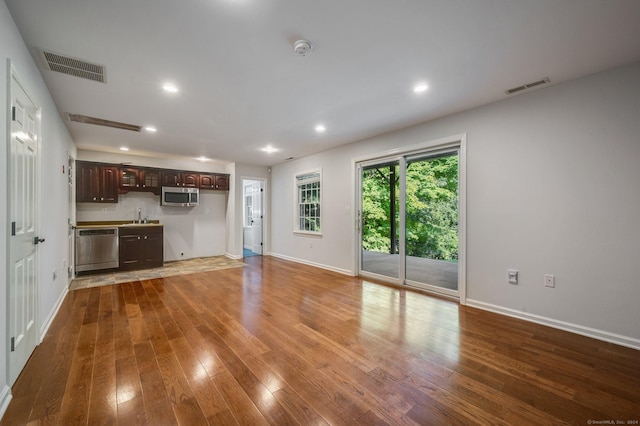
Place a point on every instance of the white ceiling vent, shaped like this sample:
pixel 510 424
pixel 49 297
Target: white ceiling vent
pixel 527 86
pixel 78 118
pixel 73 66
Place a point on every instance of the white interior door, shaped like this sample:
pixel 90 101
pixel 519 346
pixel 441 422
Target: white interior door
pixel 256 220
pixel 23 240
pixel 253 195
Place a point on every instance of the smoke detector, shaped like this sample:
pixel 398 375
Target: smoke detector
pixel 303 47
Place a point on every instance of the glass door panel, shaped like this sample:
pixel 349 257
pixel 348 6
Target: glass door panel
pixel 380 209
pixel 431 220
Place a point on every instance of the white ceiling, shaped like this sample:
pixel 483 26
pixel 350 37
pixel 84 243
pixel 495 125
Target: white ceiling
pixel 243 88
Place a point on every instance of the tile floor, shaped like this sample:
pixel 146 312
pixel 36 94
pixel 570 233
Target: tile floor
pixel 169 269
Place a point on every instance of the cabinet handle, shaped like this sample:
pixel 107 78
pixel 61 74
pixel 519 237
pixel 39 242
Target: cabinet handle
pixel 145 237
pixel 137 185
pixel 101 198
pixel 94 198
pixel 138 236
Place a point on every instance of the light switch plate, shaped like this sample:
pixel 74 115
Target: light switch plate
pixel 512 276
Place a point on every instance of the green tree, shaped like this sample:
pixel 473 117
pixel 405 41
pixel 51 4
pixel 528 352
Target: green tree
pixel 431 210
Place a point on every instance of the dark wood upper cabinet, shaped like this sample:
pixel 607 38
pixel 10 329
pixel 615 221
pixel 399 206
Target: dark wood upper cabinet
pixel 150 179
pixel 96 183
pixel 206 180
pixel 109 184
pixel 170 178
pixel 180 178
pixel 214 181
pixel 101 183
pixel 129 179
pixel 189 179
pixel 222 182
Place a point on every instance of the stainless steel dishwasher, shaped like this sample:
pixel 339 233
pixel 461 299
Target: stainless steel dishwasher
pixel 96 248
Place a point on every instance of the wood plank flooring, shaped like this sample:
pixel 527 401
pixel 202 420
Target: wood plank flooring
pixel 281 343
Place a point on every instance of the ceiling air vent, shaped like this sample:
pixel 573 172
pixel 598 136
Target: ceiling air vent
pixel 527 86
pixel 74 67
pixel 102 122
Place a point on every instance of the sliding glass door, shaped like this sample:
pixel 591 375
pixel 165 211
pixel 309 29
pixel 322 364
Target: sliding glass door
pixel 408 219
pixel 431 220
pixel 380 219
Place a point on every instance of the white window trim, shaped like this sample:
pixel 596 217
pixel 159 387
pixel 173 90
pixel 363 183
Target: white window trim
pixel 296 216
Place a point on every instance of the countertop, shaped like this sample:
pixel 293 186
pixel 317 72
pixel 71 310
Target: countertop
pixel 116 223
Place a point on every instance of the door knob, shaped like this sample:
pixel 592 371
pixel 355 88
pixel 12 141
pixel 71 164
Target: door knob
pixel 37 240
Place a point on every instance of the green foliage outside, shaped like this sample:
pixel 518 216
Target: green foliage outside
pixel 432 209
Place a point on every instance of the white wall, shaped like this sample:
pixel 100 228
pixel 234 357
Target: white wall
pixel 188 231
pixel 552 188
pixel 56 143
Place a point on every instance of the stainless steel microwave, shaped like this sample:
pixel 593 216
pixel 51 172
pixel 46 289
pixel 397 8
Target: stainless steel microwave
pixel 181 197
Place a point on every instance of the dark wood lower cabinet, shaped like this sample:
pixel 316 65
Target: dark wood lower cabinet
pixel 141 247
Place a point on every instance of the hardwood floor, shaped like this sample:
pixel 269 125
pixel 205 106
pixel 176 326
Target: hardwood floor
pixel 281 343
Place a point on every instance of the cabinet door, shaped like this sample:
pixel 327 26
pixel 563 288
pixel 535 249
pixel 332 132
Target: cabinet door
pixel 130 252
pixel 207 181
pixel 150 179
pixel 189 180
pixel 109 184
pixel 152 249
pixel 170 178
pixel 222 182
pixel 129 179
pixel 87 182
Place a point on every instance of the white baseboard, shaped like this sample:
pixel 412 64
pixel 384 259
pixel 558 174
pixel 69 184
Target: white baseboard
pixel 306 262
pixel 5 399
pixel 606 336
pixel 52 314
pixel 233 256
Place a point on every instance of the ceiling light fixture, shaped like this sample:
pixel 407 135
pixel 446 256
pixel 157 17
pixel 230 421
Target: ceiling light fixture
pixel 303 47
pixel 150 129
pixel 269 149
pixel 170 87
pixel 320 128
pixel 420 87
pixel 202 158
pixel 124 148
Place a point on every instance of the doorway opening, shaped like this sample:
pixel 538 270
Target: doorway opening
pixel 411 218
pixel 253 216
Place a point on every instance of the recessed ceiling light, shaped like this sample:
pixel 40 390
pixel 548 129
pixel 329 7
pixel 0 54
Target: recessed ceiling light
pixel 150 129
pixel 203 158
pixel 170 87
pixel 124 148
pixel 320 128
pixel 420 87
pixel 269 149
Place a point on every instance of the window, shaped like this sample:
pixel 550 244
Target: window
pixel 248 210
pixel 308 201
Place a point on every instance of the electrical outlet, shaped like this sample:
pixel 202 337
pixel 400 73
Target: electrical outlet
pixel 549 280
pixel 512 276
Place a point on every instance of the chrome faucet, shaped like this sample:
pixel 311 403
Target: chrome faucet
pixel 139 215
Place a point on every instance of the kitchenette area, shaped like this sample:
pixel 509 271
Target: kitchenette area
pixel 137 217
